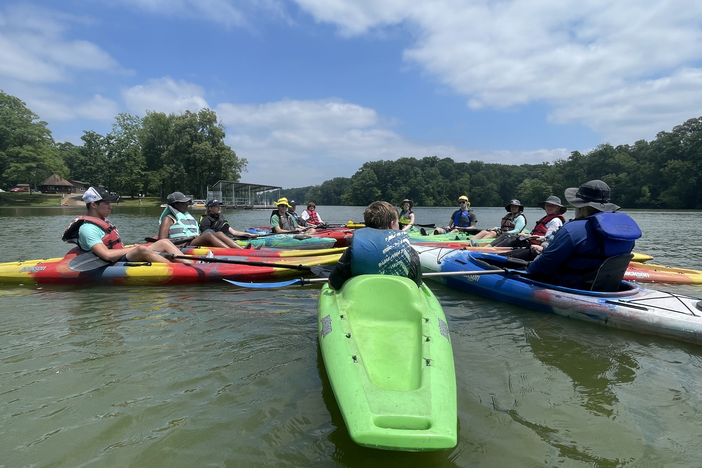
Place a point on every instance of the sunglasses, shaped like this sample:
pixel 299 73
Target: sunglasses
pixel 462 202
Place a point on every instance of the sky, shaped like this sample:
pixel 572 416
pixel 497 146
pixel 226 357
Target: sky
pixel 309 90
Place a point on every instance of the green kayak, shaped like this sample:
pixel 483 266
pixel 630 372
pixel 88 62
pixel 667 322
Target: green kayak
pixel 387 351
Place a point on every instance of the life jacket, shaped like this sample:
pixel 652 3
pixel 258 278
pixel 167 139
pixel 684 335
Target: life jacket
pixel 462 218
pixel 218 223
pixel 286 224
pixel 380 252
pixel 110 239
pixel 313 218
pixel 618 232
pixel 507 223
pixel 405 219
pixel 184 226
pixel 540 229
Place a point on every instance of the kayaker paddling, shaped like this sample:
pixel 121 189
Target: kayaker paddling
pixel 379 248
pixel 582 245
pixel 176 224
pixel 95 233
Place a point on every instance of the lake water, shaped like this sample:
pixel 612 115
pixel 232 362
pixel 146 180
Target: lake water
pixel 216 376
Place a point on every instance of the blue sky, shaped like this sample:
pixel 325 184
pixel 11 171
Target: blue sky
pixel 311 89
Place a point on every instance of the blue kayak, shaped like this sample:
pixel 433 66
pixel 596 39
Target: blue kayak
pixel 631 307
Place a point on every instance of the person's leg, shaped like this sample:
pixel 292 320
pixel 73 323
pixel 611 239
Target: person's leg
pixel 208 239
pixel 227 240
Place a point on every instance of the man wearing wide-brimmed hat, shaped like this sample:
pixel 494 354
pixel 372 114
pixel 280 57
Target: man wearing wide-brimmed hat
pixel 282 221
pixel 580 246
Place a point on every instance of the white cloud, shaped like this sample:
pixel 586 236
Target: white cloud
pixel 165 95
pixel 33 47
pixel 296 143
pixel 591 60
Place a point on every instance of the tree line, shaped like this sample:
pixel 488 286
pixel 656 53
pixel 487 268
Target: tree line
pixel 663 173
pixel 154 155
pixel 160 153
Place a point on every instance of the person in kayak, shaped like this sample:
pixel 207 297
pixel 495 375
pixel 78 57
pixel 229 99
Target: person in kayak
pixel 178 225
pixel 513 222
pixel 463 217
pixel 282 221
pixel 580 246
pixel 406 219
pixel 310 217
pixel 95 233
pixel 213 221
pixel 296 217
pixel 527 247
pixel 379 248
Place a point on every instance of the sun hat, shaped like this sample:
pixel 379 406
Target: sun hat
pixel 594 193
pixel 177 197
pixel 212 203
pixel 554 200
pixel 514 202
pixel 407 200
pixel 96 194
pixel 282 201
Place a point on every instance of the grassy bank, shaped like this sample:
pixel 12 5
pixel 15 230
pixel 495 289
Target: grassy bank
pixel 46 199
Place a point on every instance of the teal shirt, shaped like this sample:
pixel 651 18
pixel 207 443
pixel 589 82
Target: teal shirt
pixel 89 235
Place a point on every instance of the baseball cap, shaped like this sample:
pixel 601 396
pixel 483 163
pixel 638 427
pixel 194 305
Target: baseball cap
pixel 97 194
pixel 177 197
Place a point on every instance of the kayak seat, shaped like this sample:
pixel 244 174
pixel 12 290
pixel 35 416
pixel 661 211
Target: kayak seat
pixel 385 315
pixel 609 276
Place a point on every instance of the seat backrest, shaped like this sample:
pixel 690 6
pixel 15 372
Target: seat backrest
pixel 611 273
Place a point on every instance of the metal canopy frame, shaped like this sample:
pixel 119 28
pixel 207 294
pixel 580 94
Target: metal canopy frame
pixel 243 195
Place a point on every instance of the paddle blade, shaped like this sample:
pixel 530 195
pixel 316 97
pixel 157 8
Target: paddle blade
pixel 280 284
pixel 87 262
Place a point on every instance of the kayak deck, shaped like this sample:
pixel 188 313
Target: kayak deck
pixel 388 355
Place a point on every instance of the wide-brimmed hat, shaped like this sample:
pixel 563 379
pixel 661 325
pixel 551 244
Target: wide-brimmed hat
pixel 177 197
pixel 212 203
pixel 282 201
pixel 514 202
pixel 407 200
pixel 554 200
pixel 98 194
pixel 594 193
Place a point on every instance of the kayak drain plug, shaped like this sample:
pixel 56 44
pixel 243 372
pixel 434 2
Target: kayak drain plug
pixel 355 360
pixel 428 362
pixel 348 335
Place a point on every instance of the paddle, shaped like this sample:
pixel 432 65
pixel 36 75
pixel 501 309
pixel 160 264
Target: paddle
pixel 304 281
pixel 89 261
pixel 178 241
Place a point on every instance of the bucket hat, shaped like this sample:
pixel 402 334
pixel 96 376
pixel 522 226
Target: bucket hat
pixel 514 202
pixel 177 197
pixel 282 201
pixel 594 193
pixel 554 200
pixel 407 200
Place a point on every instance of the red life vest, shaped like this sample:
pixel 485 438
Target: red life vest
pixel 313 217
pixel 540 228
pixel 110 239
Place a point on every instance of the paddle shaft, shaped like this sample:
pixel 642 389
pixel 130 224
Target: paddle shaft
pixel 234 262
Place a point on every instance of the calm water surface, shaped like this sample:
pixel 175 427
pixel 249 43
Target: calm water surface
pixel 218 376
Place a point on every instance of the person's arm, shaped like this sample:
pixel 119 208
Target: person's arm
pixel 473 220
pixel 305 215
pixel 449 226
pixel 552 226
pixel 558 251
pixel 275 224
pixel 409 226
pixel 166 224
pixel 415 268
pixel 519 224
pixel 341 271
pixel 90 236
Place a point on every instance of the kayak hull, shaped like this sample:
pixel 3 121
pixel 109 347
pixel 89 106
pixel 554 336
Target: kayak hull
pixel 286 241
pixel 262 252
pixel 632 307
pixel 55 271
pixel 387 352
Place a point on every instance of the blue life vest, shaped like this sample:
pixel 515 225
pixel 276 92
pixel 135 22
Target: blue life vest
pixel 617 230
pixel 184 226
pixel 462 218
pixel 380 252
